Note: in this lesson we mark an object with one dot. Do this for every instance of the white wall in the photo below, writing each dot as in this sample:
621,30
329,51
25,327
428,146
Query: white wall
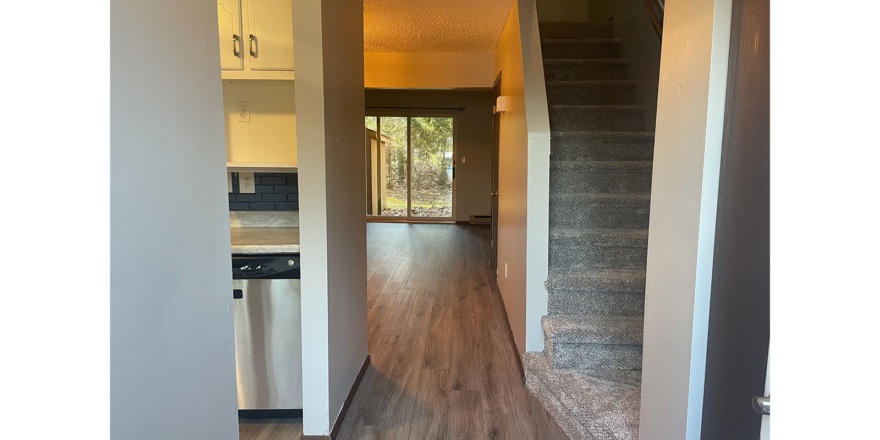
328,51
524,177
172,356
429,70
681,236
270,136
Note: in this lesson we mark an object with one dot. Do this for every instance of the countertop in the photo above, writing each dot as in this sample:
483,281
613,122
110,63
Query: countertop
264,240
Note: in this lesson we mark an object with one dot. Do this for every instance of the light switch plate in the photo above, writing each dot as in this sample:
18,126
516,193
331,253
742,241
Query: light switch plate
462,159
229,182
244,111
246,183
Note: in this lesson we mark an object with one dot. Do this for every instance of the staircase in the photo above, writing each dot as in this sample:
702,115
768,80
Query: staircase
589,374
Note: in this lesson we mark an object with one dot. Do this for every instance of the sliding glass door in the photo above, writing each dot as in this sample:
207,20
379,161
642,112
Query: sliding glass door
410,167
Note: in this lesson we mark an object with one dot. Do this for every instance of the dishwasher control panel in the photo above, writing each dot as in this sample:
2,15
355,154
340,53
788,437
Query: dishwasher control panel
281,266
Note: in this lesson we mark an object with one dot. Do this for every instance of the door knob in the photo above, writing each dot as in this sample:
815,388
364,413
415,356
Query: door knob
761,405
494,194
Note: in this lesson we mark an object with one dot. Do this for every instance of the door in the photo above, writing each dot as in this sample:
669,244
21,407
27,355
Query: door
496,143
229,20
270,35
739,311
414,167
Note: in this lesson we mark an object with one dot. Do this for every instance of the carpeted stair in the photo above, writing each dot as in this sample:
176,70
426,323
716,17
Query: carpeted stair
589,374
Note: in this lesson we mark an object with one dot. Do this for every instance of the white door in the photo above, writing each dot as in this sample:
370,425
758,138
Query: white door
270,38
229,19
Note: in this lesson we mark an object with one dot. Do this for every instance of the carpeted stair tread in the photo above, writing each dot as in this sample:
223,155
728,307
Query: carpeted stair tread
591,199
587,404
631,177
601,237
597,280
562,69
600,210
602,146
605,166
583,248
580,48
580,329
599,92
596,303
570,29
572,117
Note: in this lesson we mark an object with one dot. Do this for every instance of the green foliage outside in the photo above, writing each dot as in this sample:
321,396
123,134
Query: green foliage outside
431,178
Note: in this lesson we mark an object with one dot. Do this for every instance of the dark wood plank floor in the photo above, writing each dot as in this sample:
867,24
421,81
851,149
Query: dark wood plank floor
443,362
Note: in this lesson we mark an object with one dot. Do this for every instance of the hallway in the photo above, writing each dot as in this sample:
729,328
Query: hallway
443,364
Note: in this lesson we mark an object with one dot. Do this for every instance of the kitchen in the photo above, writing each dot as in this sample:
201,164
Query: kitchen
256,60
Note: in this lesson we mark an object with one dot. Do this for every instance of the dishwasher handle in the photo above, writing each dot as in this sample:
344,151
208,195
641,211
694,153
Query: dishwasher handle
237,294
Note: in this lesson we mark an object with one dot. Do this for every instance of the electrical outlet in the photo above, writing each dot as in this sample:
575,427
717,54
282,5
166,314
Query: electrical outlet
505,270
246,183
244,111
462,159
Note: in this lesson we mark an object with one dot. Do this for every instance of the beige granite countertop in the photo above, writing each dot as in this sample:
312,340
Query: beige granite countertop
264,240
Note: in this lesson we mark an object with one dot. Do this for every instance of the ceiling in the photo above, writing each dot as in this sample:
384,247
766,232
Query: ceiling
403,26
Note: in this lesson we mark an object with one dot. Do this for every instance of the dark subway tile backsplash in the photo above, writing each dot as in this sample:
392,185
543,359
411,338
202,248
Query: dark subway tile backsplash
274,192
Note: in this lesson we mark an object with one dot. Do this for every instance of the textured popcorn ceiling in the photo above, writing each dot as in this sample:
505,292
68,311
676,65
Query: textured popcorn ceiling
433,25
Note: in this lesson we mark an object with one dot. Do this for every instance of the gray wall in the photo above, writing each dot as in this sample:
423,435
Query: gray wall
329,55
474,139
172,360
639,45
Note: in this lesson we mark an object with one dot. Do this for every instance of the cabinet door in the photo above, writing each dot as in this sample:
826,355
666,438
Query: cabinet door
271,24
229,18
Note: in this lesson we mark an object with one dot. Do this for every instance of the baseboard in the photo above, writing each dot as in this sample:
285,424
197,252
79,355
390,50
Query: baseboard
334,433
270,413
519,360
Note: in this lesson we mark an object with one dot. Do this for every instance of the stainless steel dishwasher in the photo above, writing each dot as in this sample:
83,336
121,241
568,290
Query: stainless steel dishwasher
268,333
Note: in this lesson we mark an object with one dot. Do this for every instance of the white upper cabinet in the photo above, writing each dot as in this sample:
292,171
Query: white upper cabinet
256,39
229,16
270,41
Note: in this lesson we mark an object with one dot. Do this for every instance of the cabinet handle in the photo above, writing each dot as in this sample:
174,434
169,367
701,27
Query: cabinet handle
235,50
253,45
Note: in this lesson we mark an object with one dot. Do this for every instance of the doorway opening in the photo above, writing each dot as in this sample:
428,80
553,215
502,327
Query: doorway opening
410,167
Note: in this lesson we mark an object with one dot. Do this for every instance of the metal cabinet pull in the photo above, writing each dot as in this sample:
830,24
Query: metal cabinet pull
235,40
253,45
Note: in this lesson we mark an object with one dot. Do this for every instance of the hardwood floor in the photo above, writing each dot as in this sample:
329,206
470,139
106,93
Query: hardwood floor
443,363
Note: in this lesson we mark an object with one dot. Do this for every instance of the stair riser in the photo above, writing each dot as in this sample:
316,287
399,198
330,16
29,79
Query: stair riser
570,180
568,71
581,215
568,50
557,409
580,95
596,119
595,356
567,255
596,303
565,151
576,30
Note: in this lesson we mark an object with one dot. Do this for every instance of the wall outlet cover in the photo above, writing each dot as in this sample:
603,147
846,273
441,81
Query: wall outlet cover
244,111
246,183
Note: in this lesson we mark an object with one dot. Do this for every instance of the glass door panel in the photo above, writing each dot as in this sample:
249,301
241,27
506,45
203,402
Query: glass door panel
432,166
396,165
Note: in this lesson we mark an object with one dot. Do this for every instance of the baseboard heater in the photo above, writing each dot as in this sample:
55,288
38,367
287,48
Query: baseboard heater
481,219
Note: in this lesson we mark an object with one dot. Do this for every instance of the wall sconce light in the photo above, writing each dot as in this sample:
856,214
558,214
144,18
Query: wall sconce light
500,105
